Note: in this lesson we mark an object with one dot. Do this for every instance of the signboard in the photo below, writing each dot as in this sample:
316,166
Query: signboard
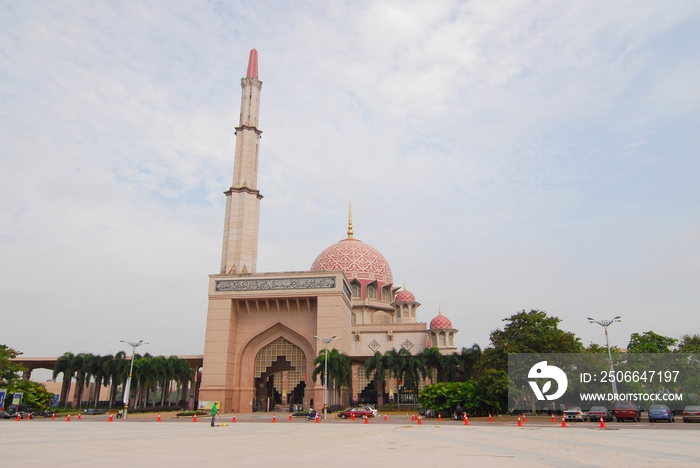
17,398
3,392
54,404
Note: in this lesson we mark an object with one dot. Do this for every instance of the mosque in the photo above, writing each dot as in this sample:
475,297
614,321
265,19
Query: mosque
264,330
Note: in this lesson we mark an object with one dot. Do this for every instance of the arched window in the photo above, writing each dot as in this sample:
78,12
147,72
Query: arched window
442,338
356,290
372,292
413,311
405,311
385,294
353,319
452,339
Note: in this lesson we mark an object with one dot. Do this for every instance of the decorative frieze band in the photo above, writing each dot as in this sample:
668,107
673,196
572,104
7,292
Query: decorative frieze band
275,284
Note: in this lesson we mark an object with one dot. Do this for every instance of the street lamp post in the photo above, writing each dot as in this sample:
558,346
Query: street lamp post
127,387
605,324
325,374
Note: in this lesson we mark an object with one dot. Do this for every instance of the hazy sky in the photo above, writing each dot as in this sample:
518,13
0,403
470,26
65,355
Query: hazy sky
501,155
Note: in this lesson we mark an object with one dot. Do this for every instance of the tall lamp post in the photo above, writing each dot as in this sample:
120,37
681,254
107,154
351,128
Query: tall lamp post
325,374
127,387
605,324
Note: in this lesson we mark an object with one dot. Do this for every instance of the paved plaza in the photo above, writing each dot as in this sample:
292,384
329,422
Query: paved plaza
254,441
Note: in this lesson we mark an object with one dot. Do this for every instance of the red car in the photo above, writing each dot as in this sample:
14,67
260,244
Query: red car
358,412
627,410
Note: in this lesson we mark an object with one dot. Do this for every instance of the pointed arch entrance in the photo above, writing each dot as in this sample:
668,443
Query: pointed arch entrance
280,375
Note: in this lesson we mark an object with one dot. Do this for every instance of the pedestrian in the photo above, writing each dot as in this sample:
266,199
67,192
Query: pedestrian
213,414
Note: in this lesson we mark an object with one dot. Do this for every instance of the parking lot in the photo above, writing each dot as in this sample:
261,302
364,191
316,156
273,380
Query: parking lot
254,441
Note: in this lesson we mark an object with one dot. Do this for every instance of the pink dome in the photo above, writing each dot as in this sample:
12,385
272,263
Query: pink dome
440,322
357,259
405,296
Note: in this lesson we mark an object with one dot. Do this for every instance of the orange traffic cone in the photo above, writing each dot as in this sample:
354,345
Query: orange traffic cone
439,417
490,418
413,417
233,419
111,418
158,420
80,417
524,418
554,420
68,418
466,420
290,417
386,418
520,423
53,416
366,420
352,416
563,422
274,418
420,420
19,416
318,418
602,423
194,418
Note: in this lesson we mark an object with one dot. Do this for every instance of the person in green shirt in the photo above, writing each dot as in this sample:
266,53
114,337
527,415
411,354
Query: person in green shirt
213,414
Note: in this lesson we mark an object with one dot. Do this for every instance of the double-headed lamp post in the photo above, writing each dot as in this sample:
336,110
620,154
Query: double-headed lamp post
605,324
325,374
127,387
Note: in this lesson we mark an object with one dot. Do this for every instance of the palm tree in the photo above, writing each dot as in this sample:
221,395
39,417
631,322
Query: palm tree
412,370
433,359
112,370
469,358
63,366
183,373
83,362
339,368
376,370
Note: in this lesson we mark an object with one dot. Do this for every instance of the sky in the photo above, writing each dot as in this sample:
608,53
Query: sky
503,156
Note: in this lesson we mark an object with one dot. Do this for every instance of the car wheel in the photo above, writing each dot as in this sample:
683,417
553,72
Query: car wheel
343,416
685,420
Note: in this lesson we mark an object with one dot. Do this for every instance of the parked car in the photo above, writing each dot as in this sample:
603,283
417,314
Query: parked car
24,412
625,410
373,410
574,414
357,412
660,413
597,412
691,413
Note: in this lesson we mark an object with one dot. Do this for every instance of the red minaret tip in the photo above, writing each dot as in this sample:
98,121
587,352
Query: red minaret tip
252,64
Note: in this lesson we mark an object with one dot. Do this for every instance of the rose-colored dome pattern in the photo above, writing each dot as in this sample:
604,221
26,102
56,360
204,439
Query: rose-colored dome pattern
440,322
356,259
405,296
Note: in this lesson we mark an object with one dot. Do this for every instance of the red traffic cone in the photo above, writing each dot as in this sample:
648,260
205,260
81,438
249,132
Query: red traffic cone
53,416
68,418
466,420
158,420
520,423
524,418
366,420
19,416
352,416
318,418
490,418
274,418
290,417
413,417
554,420
80,417
194,418
386,418
233,419
420,420
439,417
563,422
111,418
602,423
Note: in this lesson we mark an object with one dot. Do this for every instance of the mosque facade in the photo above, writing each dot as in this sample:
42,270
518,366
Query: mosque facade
264,330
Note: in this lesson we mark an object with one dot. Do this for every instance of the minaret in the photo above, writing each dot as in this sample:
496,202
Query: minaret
240,247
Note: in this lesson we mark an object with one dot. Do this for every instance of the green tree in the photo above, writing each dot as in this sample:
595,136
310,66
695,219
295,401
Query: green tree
650,342
339,369
9,371
433,360
34,395
689,344
412,370
375,370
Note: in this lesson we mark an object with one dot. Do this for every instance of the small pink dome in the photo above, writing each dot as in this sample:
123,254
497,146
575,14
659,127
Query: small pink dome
405,296
357,259
440,322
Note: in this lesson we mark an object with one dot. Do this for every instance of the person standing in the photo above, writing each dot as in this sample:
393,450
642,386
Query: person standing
213,414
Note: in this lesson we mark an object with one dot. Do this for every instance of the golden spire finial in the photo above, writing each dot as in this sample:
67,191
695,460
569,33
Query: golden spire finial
350,221
404,285
439,309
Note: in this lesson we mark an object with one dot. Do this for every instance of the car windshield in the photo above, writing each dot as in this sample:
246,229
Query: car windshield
657,407
599,408
575,408
692,408
624,404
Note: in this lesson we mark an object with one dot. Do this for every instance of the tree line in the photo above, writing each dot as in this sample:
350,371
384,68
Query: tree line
151,375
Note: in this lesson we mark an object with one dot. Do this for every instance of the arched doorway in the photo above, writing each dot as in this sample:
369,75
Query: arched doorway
280,375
